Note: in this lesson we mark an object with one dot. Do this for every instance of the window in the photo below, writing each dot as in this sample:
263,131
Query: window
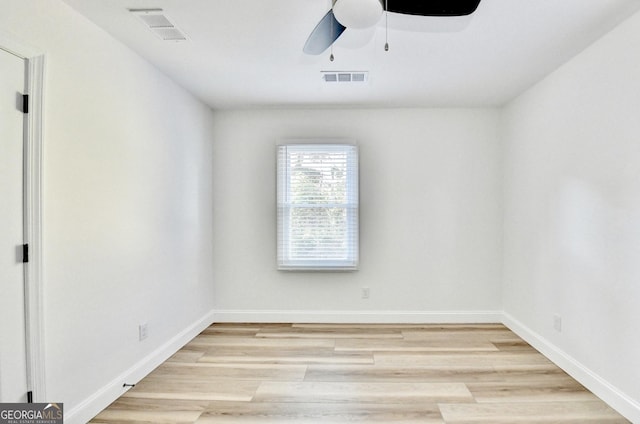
317,207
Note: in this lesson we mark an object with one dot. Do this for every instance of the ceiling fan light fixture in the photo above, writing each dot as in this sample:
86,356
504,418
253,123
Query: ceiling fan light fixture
357,14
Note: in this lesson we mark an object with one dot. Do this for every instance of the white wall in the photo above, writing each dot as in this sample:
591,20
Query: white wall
127,206
572,215
430,193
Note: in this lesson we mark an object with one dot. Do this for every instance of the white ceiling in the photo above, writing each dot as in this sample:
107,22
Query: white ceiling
248,53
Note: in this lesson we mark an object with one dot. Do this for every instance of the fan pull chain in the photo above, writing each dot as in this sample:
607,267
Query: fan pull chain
386,26
333,3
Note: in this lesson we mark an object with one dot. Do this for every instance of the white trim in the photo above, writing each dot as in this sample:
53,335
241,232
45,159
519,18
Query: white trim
33,138
9,42
33,193
592,381
359,317
99,400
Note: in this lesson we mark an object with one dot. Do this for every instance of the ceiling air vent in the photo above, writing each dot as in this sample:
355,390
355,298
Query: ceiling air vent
345,76
159,24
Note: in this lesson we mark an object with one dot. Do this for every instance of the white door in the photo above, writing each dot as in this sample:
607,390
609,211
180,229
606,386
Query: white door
13,359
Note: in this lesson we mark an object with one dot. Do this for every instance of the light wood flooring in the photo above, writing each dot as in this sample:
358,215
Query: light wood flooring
428,374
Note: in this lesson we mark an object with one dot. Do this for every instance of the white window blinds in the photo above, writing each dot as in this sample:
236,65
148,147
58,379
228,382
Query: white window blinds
317,207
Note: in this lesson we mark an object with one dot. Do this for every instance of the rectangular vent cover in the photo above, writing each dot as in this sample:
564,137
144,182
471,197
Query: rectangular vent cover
159,24
345,76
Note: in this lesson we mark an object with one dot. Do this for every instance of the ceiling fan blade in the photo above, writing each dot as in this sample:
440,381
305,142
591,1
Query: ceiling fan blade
323,35
433,7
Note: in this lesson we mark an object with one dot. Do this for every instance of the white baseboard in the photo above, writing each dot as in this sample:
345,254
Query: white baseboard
95,403
599,386
358,317
596,384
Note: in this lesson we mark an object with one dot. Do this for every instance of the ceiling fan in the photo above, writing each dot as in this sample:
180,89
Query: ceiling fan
360,14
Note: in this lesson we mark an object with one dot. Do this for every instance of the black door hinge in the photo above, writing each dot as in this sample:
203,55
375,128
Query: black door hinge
29,396
25,103
25,253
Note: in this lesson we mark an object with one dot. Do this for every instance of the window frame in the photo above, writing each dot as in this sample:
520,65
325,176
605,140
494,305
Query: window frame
285,206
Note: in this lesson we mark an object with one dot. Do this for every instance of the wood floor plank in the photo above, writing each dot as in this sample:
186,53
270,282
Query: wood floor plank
469,335
404,327
211,371
513,345
376,373
409,373
285,355
209,341
528,390
495,359
135,411
318,412
185,356
331,333
362,392
151,417
193,389
531,412
384,345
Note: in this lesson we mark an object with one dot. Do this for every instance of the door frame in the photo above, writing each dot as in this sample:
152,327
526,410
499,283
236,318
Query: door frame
33,151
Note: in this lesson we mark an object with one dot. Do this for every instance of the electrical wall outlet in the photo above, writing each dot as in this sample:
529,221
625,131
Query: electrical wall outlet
557,323
365,292
143,331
